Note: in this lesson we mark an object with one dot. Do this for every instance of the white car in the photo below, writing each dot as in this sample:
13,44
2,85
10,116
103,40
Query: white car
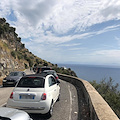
35,94
13,114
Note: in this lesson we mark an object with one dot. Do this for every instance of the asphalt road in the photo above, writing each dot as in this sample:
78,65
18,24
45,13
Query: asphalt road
5,94
65,109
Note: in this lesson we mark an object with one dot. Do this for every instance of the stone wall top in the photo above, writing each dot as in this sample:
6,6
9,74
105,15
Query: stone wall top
99,108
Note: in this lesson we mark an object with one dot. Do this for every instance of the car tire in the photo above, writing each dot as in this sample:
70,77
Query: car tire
4,85
50,111
58,98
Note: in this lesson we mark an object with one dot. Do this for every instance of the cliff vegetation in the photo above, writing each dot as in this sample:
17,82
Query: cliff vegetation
110,92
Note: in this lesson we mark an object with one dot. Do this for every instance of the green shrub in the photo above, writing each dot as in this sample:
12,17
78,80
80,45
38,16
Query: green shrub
45,64
26,66
22,46
65,71
13,54
110,92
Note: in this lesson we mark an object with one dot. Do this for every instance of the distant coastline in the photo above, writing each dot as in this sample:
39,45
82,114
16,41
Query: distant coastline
95,72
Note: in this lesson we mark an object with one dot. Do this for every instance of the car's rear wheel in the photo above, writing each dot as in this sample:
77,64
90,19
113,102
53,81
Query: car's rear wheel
58,98
4,85
51,110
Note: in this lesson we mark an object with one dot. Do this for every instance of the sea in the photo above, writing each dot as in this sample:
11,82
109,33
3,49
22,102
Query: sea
95,72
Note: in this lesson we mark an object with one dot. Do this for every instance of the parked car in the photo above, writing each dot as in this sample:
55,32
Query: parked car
40,70
13,114
13,78
35,93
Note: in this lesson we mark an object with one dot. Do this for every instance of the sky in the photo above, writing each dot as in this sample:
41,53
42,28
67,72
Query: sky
67,31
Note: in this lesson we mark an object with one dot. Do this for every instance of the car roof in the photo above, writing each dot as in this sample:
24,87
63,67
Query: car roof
42,75
12,113
45,67
17,72
49,71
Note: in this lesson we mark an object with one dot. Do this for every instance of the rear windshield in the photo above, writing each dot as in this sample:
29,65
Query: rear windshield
42,69
33,82
14,74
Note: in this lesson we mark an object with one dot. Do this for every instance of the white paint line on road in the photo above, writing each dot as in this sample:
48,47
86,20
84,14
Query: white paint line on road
70,101
3,105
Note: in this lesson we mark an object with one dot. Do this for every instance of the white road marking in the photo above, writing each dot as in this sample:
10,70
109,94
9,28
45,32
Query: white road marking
70,102
3,105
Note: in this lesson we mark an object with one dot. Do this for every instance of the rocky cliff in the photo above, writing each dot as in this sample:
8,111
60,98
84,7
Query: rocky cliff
13,54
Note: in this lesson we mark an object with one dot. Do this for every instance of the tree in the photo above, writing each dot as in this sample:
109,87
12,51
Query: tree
37,61
2,20
12,29
45,64
109,91
13,54
22,46
26,66
19,39
1,30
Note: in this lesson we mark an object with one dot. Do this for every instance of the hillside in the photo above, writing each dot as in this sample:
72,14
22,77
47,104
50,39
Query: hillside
14,56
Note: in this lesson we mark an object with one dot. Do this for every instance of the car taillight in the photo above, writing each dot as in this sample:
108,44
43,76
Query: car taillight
57,77
44,95
11,96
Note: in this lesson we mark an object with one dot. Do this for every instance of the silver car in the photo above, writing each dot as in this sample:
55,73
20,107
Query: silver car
13,114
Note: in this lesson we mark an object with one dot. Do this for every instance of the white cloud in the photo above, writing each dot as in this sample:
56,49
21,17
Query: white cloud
109,28
54,22
113,54
35,11
105,57
58,17
111,9
75,49
69,45
118,40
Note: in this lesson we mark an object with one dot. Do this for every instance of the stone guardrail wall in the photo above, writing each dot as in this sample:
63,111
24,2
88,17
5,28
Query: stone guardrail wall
98,107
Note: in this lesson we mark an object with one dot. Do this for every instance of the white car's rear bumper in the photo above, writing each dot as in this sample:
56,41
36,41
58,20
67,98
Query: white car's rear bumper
42,107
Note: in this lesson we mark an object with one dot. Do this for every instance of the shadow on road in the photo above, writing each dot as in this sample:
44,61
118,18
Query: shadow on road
39,117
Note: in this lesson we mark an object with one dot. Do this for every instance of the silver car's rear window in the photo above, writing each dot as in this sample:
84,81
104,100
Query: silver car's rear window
14,74
32,82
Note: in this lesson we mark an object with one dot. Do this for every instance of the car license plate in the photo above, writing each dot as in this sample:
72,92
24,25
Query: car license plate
27,96
10,82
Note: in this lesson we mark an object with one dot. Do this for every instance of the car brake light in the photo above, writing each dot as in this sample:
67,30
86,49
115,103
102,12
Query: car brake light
44,95
11,96
57,77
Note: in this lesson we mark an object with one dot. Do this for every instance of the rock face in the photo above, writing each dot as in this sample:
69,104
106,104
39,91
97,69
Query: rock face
13,54
10,43
8,63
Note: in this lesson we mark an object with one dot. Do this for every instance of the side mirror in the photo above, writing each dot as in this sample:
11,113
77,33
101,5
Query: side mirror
58,82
